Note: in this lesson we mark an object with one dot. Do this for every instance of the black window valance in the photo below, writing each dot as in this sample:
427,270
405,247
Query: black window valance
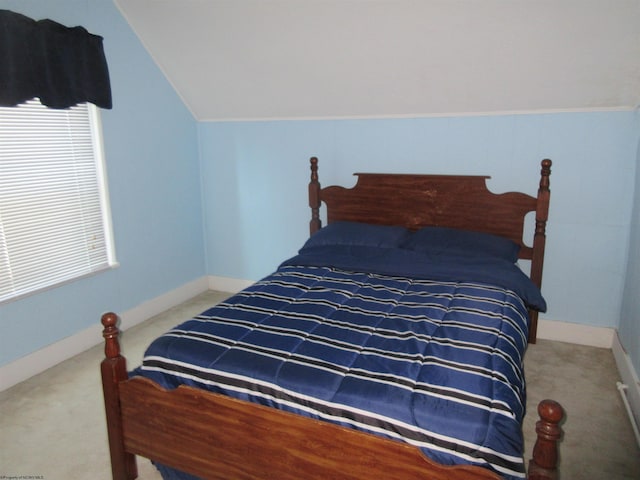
62,66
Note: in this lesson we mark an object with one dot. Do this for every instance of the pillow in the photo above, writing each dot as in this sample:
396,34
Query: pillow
358,234
452,241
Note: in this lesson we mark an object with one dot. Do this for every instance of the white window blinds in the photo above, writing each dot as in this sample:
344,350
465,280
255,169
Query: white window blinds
54,212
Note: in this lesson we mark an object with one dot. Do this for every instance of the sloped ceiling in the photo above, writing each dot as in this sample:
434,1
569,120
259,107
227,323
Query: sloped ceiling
265,59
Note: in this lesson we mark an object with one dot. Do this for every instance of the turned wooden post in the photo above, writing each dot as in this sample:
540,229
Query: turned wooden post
114,371
544,464
540,238
314,197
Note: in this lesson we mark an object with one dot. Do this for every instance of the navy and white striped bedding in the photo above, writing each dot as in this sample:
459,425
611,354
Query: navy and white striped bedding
435,363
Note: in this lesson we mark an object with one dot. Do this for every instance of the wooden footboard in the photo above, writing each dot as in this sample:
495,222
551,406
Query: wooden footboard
217,437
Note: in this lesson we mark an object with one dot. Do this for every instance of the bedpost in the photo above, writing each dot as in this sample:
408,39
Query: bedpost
114,371
539,238
544,464
314,197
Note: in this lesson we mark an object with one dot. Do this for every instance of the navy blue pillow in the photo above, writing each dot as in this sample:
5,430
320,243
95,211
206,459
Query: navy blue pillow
452,241
358,234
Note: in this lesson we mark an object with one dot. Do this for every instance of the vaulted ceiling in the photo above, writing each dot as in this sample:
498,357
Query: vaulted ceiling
265,59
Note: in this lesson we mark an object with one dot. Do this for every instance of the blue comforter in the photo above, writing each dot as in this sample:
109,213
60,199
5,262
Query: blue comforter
425,351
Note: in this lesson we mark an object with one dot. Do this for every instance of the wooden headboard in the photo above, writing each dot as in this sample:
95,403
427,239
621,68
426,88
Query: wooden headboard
457,201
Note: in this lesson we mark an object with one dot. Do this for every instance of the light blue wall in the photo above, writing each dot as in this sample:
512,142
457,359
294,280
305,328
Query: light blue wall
256,175
151,151
630,319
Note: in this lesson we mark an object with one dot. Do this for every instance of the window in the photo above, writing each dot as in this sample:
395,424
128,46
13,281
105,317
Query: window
55,224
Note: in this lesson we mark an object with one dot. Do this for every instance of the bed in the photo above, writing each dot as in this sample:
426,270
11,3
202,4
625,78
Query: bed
391,346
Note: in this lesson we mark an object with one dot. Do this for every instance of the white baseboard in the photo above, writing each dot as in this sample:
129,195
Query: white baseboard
161,303
575,333
629,377
226,284
40,360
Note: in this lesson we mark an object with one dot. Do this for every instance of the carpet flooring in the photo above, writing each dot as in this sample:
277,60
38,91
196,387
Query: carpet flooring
52,425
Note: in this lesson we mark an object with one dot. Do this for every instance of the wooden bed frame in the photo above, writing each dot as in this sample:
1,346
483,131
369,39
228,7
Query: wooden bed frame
217,437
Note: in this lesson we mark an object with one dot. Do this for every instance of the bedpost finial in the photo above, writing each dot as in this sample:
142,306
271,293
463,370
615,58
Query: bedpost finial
110,333
550,411
314,197
109,320
544,174
544,464
546,167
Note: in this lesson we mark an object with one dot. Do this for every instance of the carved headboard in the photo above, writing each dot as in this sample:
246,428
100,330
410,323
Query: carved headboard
456,201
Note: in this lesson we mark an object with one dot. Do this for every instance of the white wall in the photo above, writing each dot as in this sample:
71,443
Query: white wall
256,59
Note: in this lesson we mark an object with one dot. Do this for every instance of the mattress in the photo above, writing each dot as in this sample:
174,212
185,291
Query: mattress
420,350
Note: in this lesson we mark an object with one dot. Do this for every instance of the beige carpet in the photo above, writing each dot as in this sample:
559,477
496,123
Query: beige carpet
52,425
